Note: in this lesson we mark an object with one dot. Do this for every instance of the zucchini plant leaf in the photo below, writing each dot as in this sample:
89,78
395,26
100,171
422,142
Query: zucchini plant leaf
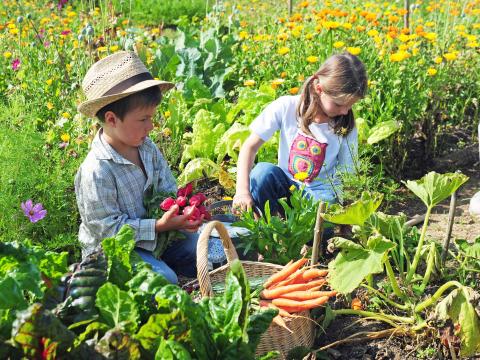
434,188
382,131
357,212
196,168
354,262
457,307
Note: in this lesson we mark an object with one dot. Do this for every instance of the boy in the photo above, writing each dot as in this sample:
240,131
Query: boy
123,162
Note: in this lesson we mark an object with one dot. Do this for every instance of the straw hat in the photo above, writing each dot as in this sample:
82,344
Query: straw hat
115,77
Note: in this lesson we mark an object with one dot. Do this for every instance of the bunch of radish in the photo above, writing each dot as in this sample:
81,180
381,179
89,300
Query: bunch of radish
295,288
188,203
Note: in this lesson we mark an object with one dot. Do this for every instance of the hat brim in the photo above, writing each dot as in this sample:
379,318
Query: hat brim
91,107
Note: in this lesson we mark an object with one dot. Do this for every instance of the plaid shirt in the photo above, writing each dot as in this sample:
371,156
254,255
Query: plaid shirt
110,189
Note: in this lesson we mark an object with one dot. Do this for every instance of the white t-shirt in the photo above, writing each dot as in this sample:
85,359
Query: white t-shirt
319,157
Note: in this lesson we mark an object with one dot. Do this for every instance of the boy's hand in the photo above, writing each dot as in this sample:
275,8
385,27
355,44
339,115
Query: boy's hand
172,221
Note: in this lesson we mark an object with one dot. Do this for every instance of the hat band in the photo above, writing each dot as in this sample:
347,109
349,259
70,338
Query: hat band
127,83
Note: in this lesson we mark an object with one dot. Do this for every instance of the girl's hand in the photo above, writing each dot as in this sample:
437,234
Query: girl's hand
171,220
242,202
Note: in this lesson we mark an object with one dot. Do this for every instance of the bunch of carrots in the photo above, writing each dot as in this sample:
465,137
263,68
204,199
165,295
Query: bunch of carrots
293,289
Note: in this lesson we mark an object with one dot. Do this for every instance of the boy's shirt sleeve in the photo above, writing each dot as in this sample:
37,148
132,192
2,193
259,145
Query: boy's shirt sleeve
166,181
100,211
348,152
270,119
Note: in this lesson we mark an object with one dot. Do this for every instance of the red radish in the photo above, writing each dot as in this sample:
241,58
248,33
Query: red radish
197,199
167,204
185,191
181,201
195,213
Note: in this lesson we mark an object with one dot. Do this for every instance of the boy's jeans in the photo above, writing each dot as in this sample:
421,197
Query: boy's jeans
269,182
180,257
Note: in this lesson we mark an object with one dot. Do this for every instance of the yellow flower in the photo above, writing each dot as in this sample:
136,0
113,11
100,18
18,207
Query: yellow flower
399,56
167,114
354,50
49,106
7,54
102,49
294,90
166,132
49,82
249,83
338,44
372,33
283,74
245,48
450,56
114,48
430,36
283,50
66,115
282,37
68,67
403,38
227,198
276,83
431,71
302,175
312,59
65,137
292,188
438,60
243,35
472,44
13,31
309,36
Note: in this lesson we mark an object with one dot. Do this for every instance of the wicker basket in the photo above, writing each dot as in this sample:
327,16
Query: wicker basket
276,337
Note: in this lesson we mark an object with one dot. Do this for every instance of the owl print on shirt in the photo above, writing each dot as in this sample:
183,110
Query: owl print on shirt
306,155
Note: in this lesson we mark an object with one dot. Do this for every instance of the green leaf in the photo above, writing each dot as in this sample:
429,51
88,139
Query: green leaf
117,250
357,212
116,306
354,263
171,350
434,188
258,323
54,265
195,169
382,131
11,295
231,142
457,307
116,344
363,129
471,250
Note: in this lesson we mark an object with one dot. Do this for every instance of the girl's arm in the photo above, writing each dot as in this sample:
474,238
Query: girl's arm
243,199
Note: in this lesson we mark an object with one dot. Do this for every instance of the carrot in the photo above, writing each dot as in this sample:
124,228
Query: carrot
307,295
303,305
294,278
280,322
276,292
311,274
281,312
287,270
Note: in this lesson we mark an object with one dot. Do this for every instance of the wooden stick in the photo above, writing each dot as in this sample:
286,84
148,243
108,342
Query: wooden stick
451,217
317,235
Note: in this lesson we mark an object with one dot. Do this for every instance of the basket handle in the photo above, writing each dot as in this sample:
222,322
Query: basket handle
202,254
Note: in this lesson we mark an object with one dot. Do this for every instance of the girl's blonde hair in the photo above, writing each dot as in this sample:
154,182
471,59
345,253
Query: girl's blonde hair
343,77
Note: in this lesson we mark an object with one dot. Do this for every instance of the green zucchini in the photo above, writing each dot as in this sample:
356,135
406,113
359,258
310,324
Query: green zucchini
78,292
87,281
84,303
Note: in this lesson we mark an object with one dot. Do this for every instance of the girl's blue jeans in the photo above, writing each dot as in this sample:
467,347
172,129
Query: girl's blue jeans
179,258
269,183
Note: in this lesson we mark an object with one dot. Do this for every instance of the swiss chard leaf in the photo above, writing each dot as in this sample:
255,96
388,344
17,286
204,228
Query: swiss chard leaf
355,262
115,344
457,306
171,350
116,307
117,250
196,168
434,188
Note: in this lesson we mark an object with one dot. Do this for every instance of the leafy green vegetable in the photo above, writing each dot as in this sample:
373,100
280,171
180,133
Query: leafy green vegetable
382,131
434,188
354,262
457,306
357,212
231,142
117,308
117,345
117,250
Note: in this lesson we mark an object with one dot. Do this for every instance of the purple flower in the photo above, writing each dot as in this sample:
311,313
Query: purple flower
33,212
61,3
63,145
46,44
15,64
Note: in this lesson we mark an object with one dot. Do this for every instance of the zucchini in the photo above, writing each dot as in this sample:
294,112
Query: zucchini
85,281
84,303
90,272
83,291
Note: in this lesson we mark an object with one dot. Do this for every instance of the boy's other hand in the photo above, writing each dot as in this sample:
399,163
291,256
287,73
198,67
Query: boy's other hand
171,220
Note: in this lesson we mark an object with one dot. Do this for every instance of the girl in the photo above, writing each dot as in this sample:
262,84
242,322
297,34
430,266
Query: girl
317,137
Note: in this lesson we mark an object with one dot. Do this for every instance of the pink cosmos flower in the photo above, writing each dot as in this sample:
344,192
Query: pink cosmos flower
15,64
33,212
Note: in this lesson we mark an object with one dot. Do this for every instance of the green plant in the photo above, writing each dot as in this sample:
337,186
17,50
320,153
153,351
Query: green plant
280,239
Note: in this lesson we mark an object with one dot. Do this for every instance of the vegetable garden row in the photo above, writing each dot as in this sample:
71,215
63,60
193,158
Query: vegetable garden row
228,62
